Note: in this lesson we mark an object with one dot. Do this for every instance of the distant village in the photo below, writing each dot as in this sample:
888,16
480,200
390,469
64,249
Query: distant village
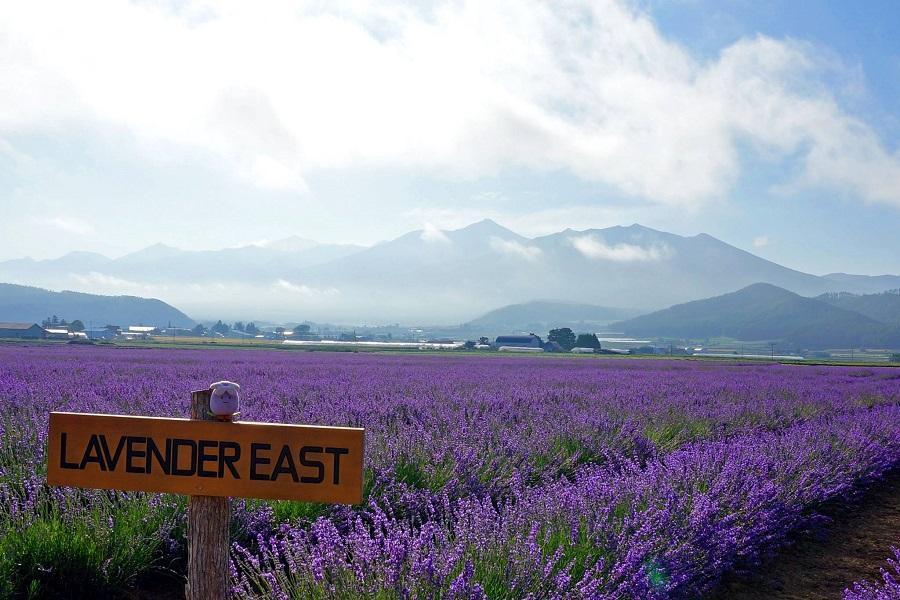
558,340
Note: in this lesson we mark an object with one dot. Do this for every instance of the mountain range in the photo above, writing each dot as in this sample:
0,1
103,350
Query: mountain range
33,305
432,275
764,312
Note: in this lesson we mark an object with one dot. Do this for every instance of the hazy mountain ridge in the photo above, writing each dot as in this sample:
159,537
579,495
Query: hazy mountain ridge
162,263
762,312
863,284
432,275
30,304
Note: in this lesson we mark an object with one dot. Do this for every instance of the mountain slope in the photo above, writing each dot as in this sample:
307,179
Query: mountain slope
541,315
883,307
485,265
22,303
765,312
430,275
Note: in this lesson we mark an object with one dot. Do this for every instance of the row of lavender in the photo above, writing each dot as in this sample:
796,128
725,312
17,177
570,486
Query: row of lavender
496,477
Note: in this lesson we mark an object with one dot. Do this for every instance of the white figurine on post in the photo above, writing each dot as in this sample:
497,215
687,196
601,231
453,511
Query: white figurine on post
225,400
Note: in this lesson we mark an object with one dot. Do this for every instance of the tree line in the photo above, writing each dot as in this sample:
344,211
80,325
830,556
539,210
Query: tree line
57,322
567,339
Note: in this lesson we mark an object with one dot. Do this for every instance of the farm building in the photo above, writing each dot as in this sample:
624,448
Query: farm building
31,331
519,349
56,333
517,341
64,334
100,333
138,329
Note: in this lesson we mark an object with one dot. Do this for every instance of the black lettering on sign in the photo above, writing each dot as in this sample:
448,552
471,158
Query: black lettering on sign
131,453
63,463
92,453
228,461
176,443
203,457
337,462
257,460
320,466
112,459
285,464
164,460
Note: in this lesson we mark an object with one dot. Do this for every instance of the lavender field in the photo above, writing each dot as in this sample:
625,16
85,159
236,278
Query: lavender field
486,477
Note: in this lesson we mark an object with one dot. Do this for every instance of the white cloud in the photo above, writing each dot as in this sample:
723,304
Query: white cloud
760,241
303,290
281,90
430,233
71,225
593,247
514,248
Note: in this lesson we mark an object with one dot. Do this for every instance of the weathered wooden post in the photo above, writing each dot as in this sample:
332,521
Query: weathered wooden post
208,518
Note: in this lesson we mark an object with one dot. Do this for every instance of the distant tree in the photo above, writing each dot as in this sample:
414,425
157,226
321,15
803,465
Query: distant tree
220,327
45,323
483,340
587,340
63,323
279,330
895,358
469,345
563,336
301,329
76,325
54,320
251,328
238,326
199,330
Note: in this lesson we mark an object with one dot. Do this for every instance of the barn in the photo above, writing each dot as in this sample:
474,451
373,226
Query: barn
31,331
518,341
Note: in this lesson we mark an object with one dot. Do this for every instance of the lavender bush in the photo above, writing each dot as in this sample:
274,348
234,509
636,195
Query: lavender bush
488,476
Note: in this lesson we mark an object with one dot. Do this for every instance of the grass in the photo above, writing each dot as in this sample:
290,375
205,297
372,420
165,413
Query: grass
88,546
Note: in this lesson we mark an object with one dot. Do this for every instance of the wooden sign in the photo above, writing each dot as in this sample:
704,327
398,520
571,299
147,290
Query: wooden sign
206,458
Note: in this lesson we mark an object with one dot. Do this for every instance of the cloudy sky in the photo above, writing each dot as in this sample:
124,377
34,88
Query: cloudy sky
214,124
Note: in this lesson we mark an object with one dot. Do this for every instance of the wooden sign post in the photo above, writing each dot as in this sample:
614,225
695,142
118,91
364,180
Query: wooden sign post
208,518
210,459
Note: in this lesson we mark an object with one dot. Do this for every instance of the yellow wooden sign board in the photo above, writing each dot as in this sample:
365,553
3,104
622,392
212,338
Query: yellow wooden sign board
206,458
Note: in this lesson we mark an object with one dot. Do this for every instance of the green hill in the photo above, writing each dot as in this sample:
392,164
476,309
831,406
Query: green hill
541,315
884,307
23,303
765,312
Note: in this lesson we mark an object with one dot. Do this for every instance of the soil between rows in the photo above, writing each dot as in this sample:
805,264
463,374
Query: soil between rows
822,564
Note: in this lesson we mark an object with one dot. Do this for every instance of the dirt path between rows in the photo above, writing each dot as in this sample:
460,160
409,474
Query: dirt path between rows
821,565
